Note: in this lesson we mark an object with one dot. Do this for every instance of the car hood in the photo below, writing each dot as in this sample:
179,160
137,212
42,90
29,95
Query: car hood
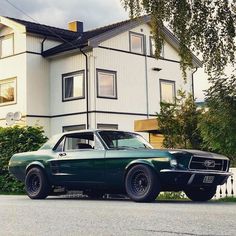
198,153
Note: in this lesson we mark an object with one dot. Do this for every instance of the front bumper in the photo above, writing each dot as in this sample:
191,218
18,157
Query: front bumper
180,179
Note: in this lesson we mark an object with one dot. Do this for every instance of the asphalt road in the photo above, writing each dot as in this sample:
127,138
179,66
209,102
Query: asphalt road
75,216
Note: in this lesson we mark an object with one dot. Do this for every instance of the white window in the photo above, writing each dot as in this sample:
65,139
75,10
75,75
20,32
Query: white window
73,86
107,126
7,91
73,128
167,89
153,48
137,43
6,46
106,84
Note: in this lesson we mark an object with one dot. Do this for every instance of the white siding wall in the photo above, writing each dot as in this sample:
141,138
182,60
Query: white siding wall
34,43
58,67
14,67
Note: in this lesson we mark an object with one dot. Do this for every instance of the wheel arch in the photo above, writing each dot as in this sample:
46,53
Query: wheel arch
35,164
139,162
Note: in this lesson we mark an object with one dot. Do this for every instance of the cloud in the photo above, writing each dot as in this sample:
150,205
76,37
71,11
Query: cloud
93,13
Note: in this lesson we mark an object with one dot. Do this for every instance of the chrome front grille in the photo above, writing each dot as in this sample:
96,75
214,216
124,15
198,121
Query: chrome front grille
204,163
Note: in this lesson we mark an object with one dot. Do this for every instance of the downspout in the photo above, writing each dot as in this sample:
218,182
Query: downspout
147,91
86,87
193,82
42,44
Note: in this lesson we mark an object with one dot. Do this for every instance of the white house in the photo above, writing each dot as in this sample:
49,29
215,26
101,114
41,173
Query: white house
74,79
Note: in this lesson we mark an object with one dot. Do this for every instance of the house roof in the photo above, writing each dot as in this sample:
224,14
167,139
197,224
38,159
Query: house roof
47,30
74,40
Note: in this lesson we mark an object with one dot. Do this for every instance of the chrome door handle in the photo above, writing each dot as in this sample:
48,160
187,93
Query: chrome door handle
62,154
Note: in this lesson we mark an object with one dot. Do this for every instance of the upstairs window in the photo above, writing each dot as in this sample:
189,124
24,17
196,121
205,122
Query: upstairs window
106,84
167,91
153,48
6,46
73,86
7,91
136,43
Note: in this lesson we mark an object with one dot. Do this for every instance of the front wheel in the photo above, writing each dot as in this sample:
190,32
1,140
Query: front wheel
142,184
36,184
201,194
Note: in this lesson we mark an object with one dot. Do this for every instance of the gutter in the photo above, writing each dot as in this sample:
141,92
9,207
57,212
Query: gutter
86,86
193,82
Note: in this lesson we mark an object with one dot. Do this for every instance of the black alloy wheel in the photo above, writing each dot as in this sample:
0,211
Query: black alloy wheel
142,184
201,194
36,184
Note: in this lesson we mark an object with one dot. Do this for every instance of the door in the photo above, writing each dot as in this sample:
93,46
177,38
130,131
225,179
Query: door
80,160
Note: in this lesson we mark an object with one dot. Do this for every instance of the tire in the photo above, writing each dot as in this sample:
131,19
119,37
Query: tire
142,184
200,194
36,184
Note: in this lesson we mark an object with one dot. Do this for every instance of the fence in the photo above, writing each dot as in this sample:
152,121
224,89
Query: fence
229,188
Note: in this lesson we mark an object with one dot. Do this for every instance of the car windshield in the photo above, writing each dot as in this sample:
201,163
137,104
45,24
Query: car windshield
123,140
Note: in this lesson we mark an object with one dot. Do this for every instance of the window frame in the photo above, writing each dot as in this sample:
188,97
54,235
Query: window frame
174,87
13,79
143,42
152,54
72,126
106,124
72,74
13,45
114,73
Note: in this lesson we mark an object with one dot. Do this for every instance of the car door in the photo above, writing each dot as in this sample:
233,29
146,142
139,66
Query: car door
81,160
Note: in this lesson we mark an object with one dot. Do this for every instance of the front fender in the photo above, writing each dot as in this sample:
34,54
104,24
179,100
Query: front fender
139,161
34,163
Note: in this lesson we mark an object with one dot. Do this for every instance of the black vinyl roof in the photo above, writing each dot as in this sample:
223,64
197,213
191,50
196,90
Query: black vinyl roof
70,40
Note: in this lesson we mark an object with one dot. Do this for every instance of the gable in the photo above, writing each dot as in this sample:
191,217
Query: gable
122,42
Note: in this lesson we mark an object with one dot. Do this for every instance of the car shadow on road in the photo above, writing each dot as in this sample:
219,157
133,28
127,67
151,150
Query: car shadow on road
125,199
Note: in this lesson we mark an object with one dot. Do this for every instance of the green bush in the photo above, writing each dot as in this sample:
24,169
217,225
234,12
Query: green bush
171,196
15,140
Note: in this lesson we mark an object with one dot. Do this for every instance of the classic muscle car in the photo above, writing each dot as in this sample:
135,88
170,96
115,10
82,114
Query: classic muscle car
108,161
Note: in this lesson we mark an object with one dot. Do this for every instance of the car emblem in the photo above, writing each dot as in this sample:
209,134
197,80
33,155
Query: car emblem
209,163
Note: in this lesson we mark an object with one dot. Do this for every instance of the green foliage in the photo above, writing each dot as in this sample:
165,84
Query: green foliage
218,124
15,140
204,26
171,196
178,123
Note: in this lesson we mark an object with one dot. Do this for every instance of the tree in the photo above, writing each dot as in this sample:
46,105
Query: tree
218,124
179,123
203,26
14,140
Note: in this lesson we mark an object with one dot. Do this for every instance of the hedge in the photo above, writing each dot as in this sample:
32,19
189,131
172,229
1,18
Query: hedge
15,140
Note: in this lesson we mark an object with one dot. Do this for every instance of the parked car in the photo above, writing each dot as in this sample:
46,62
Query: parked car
107,161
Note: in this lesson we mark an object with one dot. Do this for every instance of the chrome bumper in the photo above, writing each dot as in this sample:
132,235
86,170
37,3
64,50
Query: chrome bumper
201,172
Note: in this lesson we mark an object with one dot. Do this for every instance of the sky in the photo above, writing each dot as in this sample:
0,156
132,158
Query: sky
94,13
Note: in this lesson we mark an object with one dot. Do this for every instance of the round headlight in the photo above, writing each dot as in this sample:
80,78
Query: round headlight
173,162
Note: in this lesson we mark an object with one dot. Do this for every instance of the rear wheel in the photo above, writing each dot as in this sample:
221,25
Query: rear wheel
142,184
36,184
201,194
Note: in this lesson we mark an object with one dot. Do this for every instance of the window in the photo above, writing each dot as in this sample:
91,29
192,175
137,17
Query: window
106,84
137,43
6,46
153,48
107,126
7,91
167,89
79,141
73,128
73,86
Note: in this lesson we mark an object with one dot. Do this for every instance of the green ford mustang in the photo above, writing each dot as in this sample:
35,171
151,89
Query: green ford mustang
108,161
